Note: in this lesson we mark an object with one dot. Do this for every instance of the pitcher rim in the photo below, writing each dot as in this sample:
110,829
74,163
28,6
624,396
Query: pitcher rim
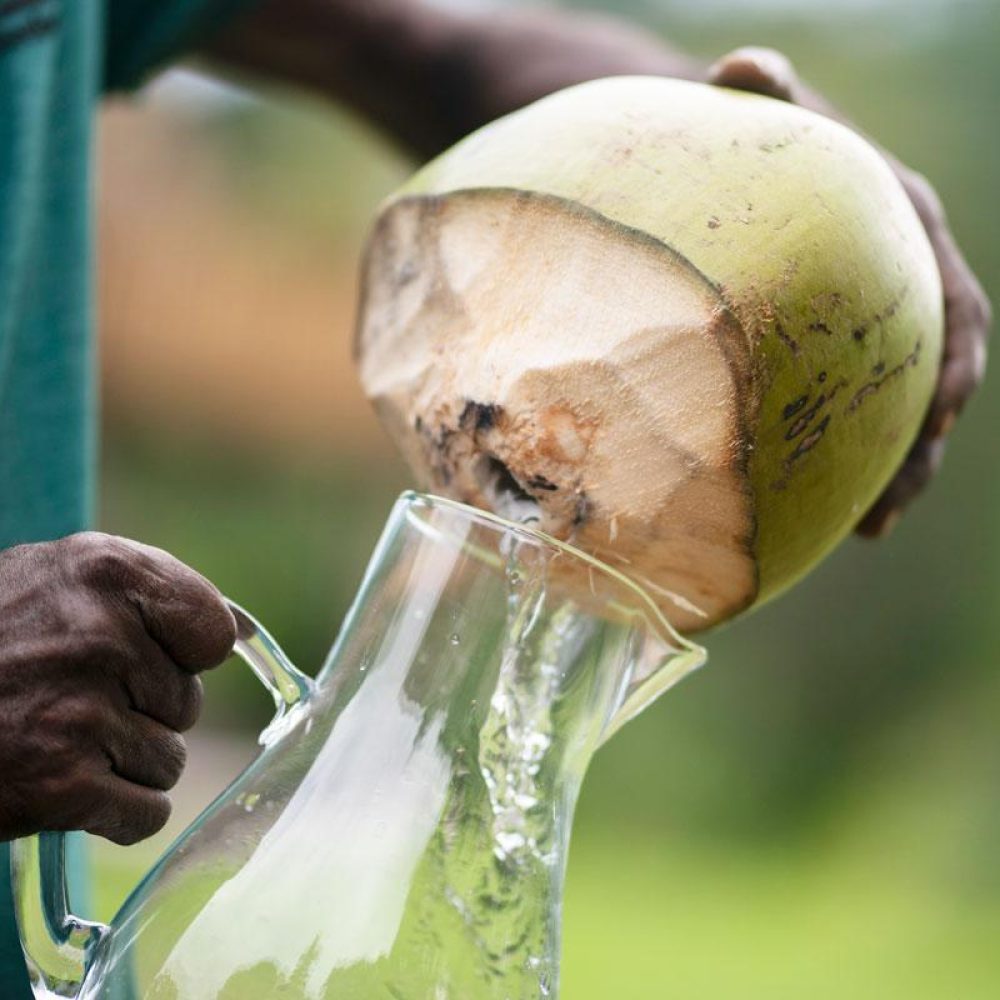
657,619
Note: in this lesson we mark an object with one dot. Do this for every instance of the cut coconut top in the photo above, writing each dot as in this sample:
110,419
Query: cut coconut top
561,368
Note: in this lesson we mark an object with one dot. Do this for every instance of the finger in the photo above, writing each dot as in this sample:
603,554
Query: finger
968,318
760,70
155,686
145,752
922,462
124,812
179,608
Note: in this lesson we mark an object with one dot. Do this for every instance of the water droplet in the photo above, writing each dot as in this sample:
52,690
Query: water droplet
515,576
454,638
250,801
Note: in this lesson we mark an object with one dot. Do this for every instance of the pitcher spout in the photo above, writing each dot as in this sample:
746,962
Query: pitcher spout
659,660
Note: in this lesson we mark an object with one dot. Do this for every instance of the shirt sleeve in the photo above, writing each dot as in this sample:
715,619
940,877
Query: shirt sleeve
141,36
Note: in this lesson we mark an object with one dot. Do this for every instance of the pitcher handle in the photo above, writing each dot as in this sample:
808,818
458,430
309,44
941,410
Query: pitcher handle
58,946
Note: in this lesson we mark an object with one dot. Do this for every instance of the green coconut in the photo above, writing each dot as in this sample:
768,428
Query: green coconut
692,331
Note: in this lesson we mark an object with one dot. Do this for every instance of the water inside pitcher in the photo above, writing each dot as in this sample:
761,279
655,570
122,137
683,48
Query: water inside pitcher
403,833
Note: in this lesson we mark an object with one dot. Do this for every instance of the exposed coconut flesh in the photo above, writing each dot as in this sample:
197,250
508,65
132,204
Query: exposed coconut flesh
693,331
535,358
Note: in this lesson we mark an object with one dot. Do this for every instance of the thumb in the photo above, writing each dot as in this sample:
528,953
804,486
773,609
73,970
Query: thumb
760,70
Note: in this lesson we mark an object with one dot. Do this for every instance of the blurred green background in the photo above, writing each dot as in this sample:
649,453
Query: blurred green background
817,812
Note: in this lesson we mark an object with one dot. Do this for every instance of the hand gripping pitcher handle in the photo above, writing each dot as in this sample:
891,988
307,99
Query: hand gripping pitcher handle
58,946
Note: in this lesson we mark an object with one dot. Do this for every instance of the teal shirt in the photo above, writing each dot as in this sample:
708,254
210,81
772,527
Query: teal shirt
56,59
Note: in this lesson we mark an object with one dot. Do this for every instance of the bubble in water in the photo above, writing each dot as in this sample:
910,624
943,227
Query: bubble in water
250,801
454,638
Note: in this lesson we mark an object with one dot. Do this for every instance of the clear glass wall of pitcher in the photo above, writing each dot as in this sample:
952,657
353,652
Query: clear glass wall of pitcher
403,834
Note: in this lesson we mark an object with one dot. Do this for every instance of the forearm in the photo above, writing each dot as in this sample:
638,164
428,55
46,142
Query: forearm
429,74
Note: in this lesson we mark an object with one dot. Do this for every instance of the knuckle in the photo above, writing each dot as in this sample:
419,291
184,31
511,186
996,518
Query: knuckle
758,69
97,645
151,814
211,634
982,310
924,196
171,753
175,760
127,822
62,801
189,701
150,755
100,560
82,712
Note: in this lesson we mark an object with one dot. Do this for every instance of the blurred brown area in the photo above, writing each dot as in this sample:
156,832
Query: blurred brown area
215,320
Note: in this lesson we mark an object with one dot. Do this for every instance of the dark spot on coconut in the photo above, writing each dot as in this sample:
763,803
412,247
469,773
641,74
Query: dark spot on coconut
713,222
821,377
503,491
479,416
789,342
537,482
826,302
502,480
841,384
809,441
803,422
793,407
858,333
891,309
870,388
820,327
584,508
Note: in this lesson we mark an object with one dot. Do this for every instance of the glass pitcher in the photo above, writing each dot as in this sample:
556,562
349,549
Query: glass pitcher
403,833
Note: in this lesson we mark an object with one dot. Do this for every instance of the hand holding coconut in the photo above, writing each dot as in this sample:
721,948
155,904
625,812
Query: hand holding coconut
967,310
431,73
695,332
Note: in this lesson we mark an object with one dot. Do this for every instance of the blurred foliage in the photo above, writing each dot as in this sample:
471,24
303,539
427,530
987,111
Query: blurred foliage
816,812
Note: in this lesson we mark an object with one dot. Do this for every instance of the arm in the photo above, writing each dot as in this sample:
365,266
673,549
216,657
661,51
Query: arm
430,74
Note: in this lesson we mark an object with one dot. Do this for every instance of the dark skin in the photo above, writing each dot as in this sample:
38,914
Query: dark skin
101,639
